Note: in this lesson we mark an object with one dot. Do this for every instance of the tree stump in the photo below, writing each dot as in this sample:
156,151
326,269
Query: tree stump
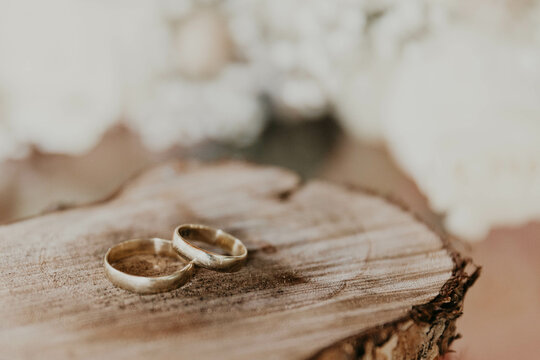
331,273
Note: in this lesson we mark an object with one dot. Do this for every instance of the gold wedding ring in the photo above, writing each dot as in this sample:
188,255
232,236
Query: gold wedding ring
145,284
216,237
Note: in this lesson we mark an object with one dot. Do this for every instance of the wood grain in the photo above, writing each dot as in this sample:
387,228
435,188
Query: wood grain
331,273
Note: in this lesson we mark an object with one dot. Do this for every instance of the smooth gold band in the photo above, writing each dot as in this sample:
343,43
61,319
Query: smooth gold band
204,258
143,284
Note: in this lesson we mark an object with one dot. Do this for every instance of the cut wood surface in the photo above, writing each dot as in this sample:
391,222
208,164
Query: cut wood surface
331,273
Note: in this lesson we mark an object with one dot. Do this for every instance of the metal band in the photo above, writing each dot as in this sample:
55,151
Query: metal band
204,258
144,284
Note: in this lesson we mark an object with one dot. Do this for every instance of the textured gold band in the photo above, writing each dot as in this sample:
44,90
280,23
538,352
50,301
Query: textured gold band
204,258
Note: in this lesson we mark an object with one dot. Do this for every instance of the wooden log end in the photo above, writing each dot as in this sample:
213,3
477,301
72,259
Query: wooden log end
332,273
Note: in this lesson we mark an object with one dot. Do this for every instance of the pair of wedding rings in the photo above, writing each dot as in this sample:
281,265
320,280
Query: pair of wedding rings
179,247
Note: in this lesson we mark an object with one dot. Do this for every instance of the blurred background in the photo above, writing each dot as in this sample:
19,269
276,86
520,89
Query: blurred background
434,102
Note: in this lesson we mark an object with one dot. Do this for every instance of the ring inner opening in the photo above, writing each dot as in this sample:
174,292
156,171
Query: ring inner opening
207,240
146,259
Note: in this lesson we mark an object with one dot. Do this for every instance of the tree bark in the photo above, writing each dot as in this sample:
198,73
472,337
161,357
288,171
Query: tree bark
332,273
